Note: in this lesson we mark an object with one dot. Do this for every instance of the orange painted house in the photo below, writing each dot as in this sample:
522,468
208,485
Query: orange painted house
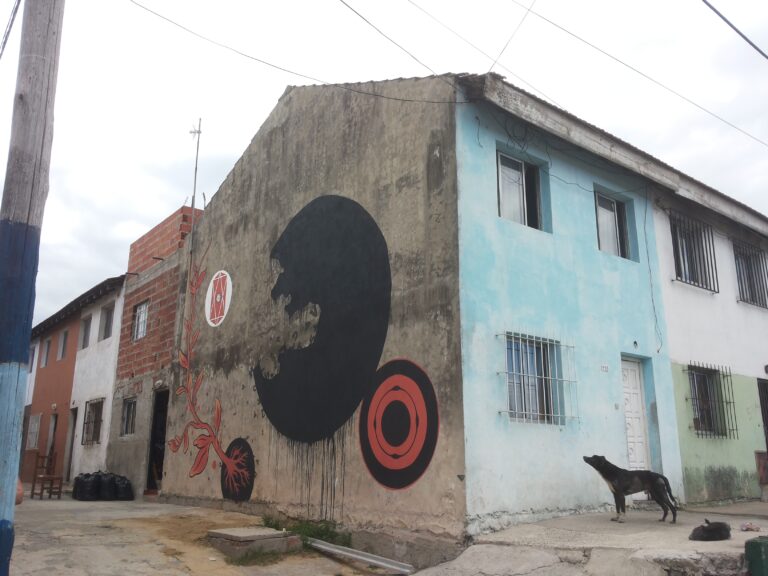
49,419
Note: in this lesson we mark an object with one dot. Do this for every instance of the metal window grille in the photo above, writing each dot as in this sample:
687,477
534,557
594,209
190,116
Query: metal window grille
752,274
694,247
92,422
711,399
129,417
140,313
541,386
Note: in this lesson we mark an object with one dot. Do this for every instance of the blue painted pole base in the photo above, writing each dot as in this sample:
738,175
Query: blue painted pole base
6,547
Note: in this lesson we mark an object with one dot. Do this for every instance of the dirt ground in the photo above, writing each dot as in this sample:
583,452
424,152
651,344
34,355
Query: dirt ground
72,538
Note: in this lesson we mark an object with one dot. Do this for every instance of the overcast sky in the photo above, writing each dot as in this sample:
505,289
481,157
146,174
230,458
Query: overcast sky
131,86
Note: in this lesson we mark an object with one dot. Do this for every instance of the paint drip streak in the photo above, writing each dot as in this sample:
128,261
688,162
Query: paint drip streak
326,459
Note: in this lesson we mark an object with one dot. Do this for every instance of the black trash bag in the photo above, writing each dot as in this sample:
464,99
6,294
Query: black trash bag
91,486
124,488
78,487
107,487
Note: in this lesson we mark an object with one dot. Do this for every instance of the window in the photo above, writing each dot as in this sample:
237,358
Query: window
519,191
31,357
752,274
539,386
105,321
140,312
46,352
694,250
62,344
711,398
85,332
92,422
611,226
33,431
128,425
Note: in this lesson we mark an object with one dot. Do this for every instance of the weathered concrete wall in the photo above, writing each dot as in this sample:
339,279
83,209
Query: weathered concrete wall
94,379
337,228
554,283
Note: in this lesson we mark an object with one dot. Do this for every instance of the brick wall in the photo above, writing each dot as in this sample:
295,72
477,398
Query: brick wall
162,241
155,350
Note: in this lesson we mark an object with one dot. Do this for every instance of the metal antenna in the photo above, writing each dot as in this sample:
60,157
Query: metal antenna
195,134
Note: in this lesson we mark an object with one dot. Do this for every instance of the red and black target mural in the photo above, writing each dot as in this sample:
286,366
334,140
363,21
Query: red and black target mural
333,254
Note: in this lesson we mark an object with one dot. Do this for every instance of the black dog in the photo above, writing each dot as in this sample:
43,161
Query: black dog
711,531
624,482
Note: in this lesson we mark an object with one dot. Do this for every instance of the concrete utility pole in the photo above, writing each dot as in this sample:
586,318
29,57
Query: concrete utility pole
21,219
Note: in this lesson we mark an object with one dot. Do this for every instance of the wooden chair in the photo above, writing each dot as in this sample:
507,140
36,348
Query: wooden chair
45,478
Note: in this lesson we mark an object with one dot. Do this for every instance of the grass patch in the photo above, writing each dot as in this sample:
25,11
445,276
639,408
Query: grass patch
320,530
256,558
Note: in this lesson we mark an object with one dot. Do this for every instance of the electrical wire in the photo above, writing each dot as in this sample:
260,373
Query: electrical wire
286,70
372,25
519,24
739,32
644,75
9,26
481,51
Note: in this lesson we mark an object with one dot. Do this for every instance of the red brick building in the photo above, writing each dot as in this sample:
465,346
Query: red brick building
146,353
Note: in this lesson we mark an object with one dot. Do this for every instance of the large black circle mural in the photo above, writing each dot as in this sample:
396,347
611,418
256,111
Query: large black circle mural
399,424
333,255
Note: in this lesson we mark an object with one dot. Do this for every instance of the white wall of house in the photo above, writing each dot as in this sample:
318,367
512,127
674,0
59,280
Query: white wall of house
703,326
94,380
34,352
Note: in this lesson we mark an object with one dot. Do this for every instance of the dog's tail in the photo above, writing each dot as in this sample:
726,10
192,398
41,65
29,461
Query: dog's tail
669,490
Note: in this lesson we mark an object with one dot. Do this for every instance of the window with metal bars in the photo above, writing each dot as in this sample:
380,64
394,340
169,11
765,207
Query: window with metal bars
540,383
92,422
711,399
752,274
694,248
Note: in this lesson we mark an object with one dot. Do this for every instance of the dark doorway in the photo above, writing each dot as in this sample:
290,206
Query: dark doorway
762,389
157,442
70,441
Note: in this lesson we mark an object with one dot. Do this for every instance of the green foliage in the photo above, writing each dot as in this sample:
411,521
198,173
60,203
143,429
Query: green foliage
256,558
320,530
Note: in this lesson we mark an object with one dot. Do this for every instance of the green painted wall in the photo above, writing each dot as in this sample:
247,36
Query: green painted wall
715,468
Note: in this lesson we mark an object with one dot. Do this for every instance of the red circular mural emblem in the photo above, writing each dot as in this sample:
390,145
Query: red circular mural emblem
399,424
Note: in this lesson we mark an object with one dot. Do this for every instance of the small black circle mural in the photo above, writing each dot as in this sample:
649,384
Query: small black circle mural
399,424
332,254
238,471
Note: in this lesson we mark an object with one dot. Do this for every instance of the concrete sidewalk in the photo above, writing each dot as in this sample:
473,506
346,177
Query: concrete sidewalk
590,544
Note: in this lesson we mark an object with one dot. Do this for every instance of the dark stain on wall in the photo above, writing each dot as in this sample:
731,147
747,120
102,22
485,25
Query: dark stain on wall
332,255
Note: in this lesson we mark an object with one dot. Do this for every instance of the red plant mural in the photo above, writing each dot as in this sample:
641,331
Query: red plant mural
237,462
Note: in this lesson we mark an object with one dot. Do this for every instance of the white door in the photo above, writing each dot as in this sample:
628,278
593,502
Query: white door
634,414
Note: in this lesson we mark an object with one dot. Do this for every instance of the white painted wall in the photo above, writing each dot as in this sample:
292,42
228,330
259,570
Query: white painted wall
32,369
95,378
711,328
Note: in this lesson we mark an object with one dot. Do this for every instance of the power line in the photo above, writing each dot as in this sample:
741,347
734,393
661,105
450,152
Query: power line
481,51
519,24
9,26
286,70
716,11
646,76
372,25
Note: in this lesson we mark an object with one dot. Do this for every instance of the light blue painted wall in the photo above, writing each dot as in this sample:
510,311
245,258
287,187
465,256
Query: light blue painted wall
555,285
